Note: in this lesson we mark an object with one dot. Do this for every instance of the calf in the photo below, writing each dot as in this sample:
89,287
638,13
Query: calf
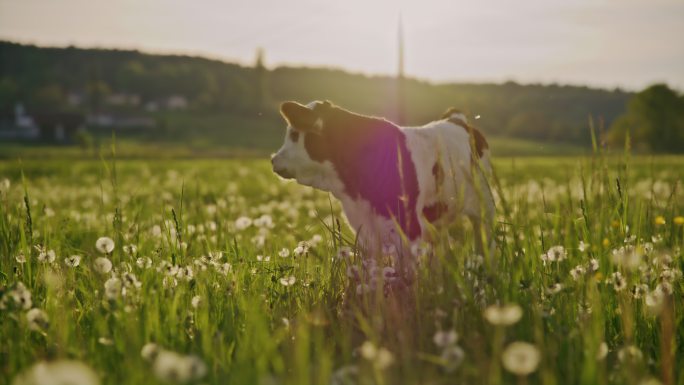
394,182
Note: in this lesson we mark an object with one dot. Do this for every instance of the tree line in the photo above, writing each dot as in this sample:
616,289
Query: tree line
44,78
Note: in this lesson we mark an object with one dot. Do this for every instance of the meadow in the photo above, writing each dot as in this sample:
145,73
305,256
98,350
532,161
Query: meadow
217,272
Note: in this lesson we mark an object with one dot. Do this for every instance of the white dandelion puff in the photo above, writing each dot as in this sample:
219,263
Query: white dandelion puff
102,265
196,301
503,315
445,338
288,281
521,358
37,319
104,245
113,288
149,351
73,261
58,372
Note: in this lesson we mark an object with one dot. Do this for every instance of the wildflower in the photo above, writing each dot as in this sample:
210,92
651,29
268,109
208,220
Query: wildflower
4,184
112,288
345,252
420,249
593,265
105,341
678,220
619,282
130,280
21,258
149,351
554,288
605,242
196,301
583,246
445,338
521,358
659,220
452,357
288,281
628,256
224,268
602,351
665,287
37,319
175,368
315,240
654,301
130,250
102,265
262,258
639,290
105,245
555,254
389,249
73,261
46,256
630,354
380,357
577,272
344,375
300,250
144,263
20,297
58,372
284,253
363,288
503,315
242,223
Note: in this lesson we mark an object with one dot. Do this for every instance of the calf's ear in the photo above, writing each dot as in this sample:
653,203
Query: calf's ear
300,117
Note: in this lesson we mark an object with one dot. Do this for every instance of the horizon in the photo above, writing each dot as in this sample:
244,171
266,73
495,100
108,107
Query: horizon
570,44
247,64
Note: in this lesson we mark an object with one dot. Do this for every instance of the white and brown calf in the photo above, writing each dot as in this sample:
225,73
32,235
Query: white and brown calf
391,180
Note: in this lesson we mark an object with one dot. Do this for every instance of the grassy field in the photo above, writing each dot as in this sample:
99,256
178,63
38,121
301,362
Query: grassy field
217,272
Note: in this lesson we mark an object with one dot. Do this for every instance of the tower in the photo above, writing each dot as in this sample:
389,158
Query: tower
400,79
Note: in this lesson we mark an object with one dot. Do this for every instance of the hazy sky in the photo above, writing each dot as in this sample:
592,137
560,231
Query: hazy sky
626,43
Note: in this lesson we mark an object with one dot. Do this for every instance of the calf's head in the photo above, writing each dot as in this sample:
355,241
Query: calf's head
305,137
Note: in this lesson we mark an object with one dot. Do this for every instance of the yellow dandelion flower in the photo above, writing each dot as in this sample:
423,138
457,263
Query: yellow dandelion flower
678,220
606,242
659,220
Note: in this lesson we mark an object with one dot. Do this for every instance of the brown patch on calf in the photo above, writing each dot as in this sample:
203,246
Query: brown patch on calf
372,159
435,211
476,137
438,173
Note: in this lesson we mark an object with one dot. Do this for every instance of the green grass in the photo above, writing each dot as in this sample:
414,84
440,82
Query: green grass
249,328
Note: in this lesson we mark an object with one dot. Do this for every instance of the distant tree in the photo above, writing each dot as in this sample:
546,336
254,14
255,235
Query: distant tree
654,117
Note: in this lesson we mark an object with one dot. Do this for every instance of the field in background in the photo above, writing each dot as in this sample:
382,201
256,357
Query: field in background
242,148
222,273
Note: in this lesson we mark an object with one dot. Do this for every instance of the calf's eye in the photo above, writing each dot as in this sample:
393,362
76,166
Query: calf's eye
294,136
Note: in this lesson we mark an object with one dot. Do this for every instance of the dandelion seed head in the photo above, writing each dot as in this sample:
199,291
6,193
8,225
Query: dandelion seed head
104,245
37,319
102,265
288,281
73,261
521,358
503,315
444,338
60,372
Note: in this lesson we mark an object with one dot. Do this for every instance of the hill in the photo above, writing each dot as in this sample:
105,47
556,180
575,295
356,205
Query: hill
183,99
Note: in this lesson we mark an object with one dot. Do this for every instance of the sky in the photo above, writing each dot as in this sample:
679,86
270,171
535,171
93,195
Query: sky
602,43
